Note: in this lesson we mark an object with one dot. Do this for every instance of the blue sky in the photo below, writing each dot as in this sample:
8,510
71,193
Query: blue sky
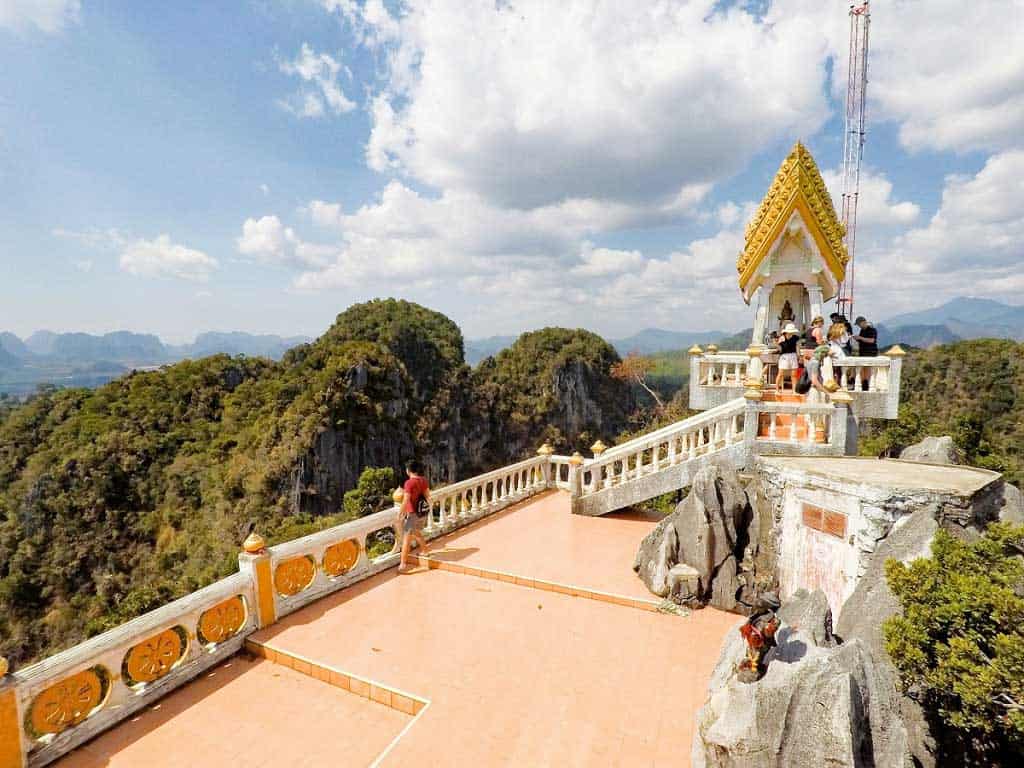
181,167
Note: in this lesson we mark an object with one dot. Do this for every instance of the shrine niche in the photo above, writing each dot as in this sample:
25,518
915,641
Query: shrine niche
793,259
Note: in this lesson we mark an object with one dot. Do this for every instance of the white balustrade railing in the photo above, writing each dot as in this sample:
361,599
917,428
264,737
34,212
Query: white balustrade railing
854,372
807,425
874,382
667,447
456,504
723,369
561,466
68,698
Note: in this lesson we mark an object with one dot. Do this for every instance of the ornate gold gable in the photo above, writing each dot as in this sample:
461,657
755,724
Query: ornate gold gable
797,186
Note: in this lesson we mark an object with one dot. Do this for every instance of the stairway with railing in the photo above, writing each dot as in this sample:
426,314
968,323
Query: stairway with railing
735,432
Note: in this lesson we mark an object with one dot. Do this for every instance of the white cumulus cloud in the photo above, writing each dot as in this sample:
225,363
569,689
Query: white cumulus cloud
162,258
46,15
950,73
323,92
529,103
267,239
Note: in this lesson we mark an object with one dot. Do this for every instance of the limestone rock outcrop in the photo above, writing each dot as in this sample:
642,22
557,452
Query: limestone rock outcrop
702,552
1012,510
864,612
933,450
818,704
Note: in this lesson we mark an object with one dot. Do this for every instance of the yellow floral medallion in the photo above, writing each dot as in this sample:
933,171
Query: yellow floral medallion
339,558
153,658
68,702
294,575
221,622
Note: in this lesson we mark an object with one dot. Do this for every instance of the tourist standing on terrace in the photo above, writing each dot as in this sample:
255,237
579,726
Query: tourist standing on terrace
787,356
845,340
415,508
867,346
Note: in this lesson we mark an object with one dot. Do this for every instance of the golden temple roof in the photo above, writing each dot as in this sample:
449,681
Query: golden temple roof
797,186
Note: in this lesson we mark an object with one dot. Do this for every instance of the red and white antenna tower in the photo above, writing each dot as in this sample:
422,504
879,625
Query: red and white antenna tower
853,146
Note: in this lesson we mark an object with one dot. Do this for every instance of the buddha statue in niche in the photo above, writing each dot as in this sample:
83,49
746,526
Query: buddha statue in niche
786,315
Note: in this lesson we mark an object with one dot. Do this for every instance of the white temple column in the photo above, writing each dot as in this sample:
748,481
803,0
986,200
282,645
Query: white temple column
760,317
815,299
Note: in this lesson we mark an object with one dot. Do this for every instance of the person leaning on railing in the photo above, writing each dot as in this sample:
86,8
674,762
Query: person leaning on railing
867,346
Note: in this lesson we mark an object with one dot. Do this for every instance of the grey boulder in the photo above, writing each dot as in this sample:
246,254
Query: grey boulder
702,533
933,450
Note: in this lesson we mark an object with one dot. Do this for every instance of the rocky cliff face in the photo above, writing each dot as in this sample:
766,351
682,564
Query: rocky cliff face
820,703
552,384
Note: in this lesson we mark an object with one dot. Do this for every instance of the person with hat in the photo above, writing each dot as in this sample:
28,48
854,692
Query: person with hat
788,362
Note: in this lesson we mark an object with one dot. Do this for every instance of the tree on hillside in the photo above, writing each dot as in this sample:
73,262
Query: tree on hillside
634,368
959,644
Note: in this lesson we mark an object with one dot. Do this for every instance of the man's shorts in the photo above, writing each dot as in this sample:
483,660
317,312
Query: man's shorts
413,523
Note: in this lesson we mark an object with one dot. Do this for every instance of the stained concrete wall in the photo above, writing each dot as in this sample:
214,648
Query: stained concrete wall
872,494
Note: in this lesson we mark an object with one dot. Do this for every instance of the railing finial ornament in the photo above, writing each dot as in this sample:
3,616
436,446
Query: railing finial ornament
598,448
545,450
841,396
712,349
398,496
896,351
576,459
5,666
254,544
696,350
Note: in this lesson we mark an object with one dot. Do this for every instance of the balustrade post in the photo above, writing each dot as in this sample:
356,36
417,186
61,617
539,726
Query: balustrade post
696,353
892,402
254,562
838,432
576,475
752,400
12,752
546,450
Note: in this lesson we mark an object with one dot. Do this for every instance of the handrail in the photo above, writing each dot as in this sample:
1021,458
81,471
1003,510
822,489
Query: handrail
689,423
128,667
203,628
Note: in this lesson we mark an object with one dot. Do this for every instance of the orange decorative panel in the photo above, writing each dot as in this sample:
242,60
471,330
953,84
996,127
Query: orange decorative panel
339,558
153,658
825,520
222,621
294,575
68,702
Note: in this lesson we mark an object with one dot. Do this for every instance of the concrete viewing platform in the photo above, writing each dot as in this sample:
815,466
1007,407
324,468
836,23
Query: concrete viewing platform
527,641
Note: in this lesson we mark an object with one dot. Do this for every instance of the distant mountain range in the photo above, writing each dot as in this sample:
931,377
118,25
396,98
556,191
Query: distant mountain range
967,318
646,342
84,359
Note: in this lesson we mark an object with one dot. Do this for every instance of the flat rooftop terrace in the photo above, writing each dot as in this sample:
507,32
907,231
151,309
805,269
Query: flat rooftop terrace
525,639
891,473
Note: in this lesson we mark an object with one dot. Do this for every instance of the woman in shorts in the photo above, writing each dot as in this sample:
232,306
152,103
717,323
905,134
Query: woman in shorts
787,356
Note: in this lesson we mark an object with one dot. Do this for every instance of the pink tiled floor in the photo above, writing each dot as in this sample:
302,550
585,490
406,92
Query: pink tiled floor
252,713
516,676
541,539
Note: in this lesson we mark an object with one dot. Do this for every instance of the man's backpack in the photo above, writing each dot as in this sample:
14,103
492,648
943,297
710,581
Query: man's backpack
803,384
422,507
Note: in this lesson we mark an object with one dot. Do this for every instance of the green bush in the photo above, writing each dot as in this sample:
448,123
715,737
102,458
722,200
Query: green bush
371,494
959,644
